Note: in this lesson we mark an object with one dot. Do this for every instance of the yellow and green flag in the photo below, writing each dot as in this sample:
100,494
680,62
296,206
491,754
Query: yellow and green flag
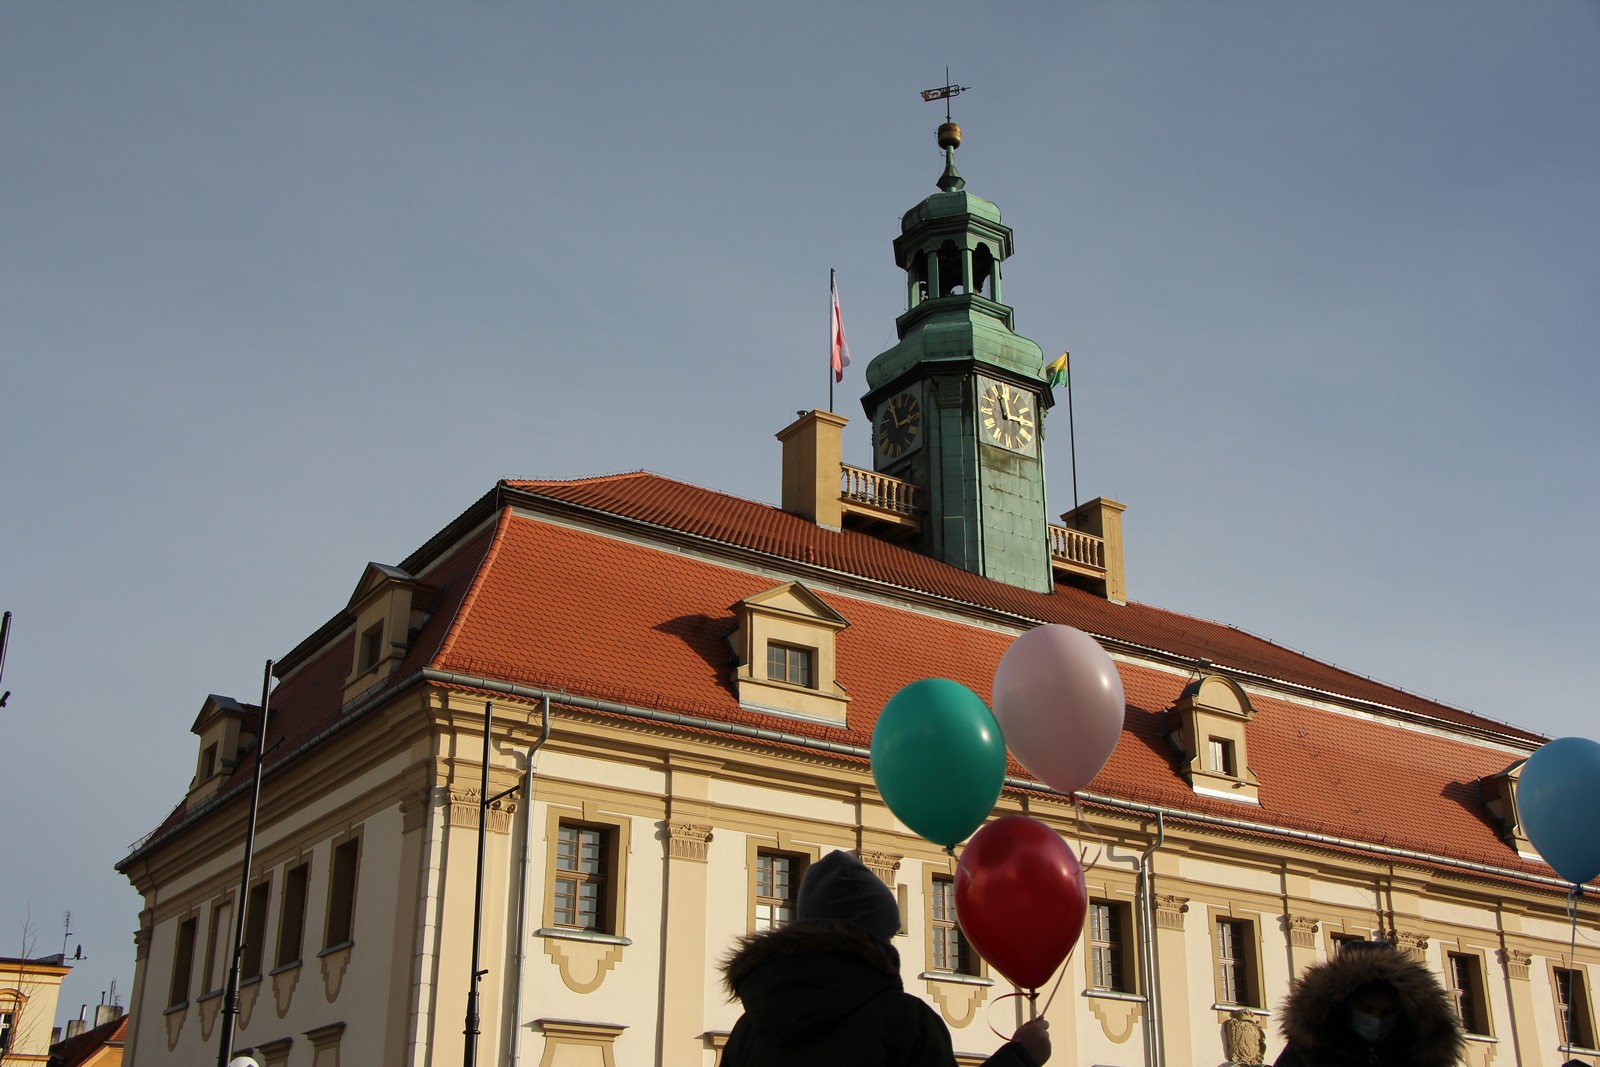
1057,372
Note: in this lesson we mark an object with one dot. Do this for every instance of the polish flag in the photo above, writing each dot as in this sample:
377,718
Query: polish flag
841,347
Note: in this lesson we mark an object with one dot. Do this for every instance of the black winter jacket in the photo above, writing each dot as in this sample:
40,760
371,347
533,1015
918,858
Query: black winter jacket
830,996
1315,1018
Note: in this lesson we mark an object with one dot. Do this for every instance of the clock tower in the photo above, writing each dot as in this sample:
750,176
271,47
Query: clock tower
957,405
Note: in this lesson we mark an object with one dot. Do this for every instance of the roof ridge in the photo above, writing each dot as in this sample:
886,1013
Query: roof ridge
529,484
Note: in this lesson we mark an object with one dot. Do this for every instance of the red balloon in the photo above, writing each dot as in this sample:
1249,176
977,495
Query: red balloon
1020,898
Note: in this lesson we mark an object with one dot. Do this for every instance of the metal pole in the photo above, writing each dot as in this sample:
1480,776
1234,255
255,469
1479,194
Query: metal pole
5,639
470,1055
230,1000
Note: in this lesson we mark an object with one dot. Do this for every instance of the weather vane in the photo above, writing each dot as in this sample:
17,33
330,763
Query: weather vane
945,92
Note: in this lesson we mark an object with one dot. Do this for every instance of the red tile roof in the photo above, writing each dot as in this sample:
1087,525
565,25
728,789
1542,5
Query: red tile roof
77,1050
597,606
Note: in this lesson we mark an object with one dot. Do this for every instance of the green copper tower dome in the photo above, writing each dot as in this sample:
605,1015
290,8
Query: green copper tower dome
958,403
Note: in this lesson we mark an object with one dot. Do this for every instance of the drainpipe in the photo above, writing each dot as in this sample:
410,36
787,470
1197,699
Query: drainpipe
519,965
1154,1047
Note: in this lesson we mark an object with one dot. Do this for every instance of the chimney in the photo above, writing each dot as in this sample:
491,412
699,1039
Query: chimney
813,451
1102,518
105,1013
75,1027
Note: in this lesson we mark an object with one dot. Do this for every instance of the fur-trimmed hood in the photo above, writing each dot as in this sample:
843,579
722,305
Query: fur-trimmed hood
805,976
1315,1016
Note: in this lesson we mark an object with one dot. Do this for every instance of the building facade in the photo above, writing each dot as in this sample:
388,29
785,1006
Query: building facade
647,706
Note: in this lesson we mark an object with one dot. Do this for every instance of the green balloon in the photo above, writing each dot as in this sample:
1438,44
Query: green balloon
938,759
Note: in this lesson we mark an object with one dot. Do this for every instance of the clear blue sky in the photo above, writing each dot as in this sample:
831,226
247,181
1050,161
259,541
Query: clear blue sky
284,287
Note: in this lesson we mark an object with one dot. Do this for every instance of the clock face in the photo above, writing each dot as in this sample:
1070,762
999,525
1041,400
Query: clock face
1006,417
899,425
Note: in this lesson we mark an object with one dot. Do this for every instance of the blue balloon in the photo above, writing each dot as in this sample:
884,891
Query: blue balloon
1558,797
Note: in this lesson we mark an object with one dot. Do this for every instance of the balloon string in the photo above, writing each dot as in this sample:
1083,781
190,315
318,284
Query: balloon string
1572,916
988,1021
1061,973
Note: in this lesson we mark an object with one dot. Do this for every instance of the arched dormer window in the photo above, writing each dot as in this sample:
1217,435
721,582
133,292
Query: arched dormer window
1211,715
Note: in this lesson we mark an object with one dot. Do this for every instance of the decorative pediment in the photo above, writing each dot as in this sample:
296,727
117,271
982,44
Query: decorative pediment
1209,720
784,651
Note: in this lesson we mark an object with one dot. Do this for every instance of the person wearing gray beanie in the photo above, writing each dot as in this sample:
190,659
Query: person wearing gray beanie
826,990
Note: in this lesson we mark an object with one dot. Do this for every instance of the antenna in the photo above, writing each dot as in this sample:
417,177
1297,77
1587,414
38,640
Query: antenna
66,924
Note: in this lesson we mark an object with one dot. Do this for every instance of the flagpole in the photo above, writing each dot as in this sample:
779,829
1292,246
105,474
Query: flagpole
832,326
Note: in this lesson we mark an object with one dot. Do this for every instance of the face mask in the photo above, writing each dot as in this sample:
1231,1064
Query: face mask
1370,1028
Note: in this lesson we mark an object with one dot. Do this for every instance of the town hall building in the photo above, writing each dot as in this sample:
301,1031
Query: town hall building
676,691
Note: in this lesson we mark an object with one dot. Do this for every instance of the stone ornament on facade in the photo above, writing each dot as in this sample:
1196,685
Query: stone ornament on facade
284,979
248,994
210,1007
465,805
1516,962
1412,946
1243,1038
1118,1016
567,1040
882,864
1170,911
1302,930
325,1044
334,963
174,1020
584,964
142,936
688,840
415,805
958,1002
276,1053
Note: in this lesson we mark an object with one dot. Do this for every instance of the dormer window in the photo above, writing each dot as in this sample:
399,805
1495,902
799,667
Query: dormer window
788,664
1222,756
1209,721
1500,797
784,651
371,647
388,607
227,731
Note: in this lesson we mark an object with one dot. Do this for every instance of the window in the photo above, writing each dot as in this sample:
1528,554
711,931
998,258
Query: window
219,944
1464,982
1236,965
1341,940
1222,756
182,963
949,950
292,923
786,663
342,894
1108,946
371,647
777,884
1572,1006
583,877
208,762
255,931
8,1022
